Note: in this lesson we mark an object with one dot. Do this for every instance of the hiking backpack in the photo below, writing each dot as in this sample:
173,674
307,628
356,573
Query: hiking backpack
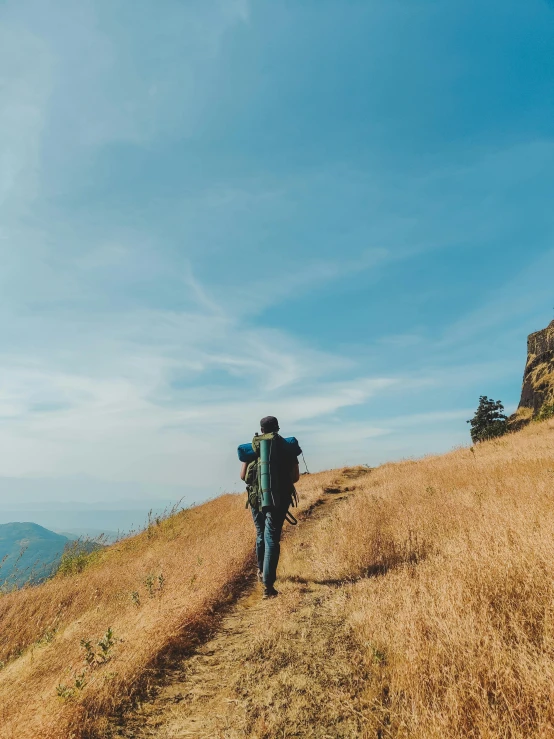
282,460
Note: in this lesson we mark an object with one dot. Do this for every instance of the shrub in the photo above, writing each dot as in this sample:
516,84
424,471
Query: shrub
489,420
546,412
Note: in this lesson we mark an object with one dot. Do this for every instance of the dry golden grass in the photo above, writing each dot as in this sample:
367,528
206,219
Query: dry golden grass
200,553
420,606
452,596
157,591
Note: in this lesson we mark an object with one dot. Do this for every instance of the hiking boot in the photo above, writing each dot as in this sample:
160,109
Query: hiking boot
269,592
260,576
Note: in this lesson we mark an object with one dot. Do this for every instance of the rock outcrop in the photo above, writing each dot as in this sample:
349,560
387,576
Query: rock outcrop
538,379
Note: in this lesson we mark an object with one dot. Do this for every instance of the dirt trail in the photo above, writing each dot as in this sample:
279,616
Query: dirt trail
273,668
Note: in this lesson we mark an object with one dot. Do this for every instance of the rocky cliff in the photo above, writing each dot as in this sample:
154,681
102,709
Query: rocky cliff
538,379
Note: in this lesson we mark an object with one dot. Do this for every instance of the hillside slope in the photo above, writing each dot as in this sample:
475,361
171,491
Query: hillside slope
420,603
142,597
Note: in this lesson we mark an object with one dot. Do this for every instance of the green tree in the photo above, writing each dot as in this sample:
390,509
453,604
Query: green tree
489,420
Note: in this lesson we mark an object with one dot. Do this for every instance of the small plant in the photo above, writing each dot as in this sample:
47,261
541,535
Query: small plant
135,597
149,583
150,525
46,638
106,644
64,691
90,654
80,680
546,412
92,657
154,584
489,420
69,691
378,655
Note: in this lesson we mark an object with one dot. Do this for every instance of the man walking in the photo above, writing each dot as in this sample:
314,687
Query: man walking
269,511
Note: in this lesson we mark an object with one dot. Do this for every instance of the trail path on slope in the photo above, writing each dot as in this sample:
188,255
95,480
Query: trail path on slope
285,667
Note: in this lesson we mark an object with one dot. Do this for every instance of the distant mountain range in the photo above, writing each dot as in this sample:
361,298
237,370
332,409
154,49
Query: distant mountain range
28,553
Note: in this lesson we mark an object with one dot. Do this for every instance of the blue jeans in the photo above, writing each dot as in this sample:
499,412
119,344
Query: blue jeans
269,524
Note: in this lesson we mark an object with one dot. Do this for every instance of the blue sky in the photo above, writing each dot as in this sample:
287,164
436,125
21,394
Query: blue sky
336,212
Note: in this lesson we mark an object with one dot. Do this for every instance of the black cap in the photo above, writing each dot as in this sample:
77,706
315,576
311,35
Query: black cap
268,424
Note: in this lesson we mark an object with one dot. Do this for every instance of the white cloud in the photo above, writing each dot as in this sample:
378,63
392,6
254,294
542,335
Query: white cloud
122,414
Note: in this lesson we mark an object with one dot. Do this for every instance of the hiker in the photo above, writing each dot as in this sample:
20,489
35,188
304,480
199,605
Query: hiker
269,519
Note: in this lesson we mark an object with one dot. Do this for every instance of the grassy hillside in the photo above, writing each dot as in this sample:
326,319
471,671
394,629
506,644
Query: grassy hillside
437,618
155,592
447,599
28,552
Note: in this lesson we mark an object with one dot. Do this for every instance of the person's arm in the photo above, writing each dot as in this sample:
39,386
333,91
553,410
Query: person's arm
243,470
296,472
